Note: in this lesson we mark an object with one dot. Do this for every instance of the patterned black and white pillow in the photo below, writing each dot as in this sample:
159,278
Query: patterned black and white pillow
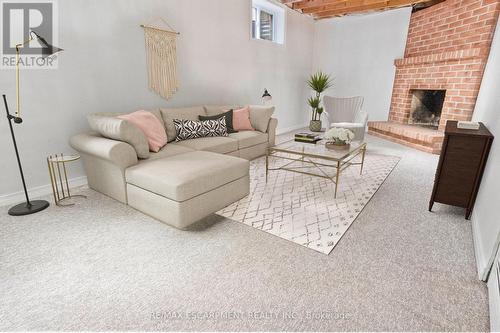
191,129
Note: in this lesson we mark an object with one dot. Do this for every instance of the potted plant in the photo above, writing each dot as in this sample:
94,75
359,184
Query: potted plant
318,82
338,138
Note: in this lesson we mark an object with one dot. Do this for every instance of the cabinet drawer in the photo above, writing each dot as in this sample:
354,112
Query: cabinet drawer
455,183
461,165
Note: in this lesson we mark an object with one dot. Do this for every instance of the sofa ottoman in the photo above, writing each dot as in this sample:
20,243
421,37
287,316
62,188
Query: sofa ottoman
182,189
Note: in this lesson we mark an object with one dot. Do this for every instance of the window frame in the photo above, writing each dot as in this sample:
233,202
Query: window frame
258,12
278,13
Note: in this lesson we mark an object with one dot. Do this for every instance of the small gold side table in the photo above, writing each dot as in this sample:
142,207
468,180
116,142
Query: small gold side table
59,178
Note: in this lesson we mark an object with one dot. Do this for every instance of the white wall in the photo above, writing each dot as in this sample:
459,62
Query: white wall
103,69
359,51
486,214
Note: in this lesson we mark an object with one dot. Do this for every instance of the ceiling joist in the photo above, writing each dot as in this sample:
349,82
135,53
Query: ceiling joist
321,9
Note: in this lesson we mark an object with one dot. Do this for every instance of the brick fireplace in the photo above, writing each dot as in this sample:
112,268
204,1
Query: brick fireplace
446,50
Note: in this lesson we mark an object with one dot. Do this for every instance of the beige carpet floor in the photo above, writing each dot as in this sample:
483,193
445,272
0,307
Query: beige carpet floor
104,266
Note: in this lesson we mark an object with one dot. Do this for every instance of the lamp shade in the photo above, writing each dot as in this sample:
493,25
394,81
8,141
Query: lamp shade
266,96
47,49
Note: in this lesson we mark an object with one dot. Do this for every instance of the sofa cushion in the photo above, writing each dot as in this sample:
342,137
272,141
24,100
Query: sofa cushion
221,145
249,138
260,116
152,127
157,114
241,120
107,125
227,115
212,110
167,151
168,115
194,129
182,177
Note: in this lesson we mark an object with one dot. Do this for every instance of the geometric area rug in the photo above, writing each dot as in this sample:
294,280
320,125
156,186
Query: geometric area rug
302,208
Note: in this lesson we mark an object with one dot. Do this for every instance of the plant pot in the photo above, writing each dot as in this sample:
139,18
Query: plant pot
315,125
337,146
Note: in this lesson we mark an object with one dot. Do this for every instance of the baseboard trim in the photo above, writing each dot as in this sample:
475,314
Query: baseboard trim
38,191
280,131
484,261
480,260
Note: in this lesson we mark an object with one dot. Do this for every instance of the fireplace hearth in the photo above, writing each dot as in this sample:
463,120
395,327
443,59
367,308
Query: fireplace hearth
426,107
439,76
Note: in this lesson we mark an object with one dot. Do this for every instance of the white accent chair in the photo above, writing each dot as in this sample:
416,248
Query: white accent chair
346,113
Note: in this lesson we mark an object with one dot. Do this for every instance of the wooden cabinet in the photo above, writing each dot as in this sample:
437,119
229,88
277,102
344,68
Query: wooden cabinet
461,165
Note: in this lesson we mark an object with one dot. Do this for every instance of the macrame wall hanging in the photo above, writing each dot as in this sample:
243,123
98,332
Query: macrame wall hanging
161,58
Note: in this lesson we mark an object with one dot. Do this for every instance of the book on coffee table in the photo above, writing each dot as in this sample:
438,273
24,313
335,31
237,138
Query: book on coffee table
307,137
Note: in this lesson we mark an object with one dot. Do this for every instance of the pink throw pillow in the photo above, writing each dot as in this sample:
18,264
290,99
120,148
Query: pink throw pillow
151,126
241,120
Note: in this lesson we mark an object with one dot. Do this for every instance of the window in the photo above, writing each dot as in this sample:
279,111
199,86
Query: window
268,21
266,26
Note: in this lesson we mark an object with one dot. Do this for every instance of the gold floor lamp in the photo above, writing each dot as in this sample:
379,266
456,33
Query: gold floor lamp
30,206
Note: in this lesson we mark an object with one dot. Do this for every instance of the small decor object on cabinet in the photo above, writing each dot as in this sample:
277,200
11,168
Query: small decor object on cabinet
468,125
461,166
338,138
59,178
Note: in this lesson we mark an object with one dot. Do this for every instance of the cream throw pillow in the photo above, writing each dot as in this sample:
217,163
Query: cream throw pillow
168,115
107,125
212,110
260,116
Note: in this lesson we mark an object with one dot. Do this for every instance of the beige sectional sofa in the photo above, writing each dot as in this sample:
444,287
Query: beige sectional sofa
186,180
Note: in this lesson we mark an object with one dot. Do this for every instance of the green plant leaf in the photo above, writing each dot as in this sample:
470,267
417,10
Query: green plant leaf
320,82
313,102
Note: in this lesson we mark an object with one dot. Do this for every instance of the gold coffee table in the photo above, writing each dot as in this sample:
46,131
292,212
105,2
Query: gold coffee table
316,156
59,178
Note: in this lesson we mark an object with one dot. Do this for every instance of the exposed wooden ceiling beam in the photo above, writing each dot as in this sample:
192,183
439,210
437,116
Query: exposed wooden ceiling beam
320,9
336,5
314,3
364,6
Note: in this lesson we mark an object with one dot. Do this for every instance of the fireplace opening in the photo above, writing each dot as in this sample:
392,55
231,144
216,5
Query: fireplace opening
426,107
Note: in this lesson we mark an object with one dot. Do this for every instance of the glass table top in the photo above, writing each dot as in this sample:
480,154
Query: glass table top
318,150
